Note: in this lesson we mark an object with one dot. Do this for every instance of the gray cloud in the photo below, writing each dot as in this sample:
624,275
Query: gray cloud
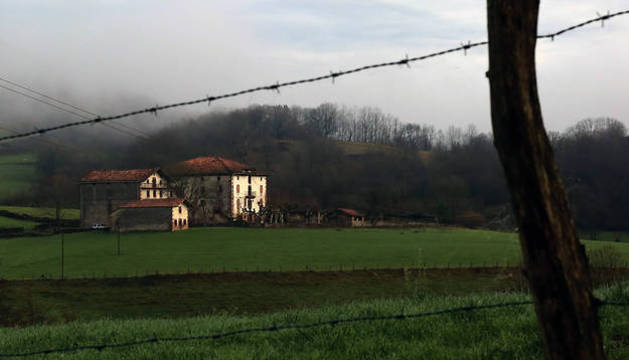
115,55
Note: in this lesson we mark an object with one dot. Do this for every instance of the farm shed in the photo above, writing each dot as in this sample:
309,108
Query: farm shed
152,215
346,217
103,191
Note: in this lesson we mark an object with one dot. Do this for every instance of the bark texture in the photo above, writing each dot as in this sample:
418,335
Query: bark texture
555,261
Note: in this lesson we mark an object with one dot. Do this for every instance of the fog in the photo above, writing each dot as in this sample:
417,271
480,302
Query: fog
113,56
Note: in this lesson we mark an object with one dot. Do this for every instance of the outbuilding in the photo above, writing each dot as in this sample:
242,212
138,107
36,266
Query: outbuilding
152,215
346,217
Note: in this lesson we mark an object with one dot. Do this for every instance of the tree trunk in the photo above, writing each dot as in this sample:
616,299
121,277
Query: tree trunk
555,261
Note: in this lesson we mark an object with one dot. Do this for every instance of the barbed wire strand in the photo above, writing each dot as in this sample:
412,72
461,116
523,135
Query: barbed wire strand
23,87
266,329
133,129
275,87
276,328
61,147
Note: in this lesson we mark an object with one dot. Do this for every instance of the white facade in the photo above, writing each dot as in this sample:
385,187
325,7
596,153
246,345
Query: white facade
154,187
180,217
248,192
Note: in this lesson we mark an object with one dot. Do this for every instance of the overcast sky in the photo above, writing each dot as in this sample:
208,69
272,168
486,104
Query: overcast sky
114,55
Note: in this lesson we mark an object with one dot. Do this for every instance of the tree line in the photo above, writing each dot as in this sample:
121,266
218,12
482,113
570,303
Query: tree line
333,156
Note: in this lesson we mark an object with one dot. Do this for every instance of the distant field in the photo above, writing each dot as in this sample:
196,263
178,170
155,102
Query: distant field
18,173
31,302
48,213
6,222
503,333
90,254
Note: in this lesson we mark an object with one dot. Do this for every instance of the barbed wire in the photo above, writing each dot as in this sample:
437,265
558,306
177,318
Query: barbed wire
406,61
45,96
272,328
276,328
137,133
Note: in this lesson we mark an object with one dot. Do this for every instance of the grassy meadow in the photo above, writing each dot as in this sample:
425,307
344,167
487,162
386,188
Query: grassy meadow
93,254
6,222
504,333
40,212
30,302
18,172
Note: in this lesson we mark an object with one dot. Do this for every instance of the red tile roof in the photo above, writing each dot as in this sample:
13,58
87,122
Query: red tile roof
146,203
118,175
351,212
207,165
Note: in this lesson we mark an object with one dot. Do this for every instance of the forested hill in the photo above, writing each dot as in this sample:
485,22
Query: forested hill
331,156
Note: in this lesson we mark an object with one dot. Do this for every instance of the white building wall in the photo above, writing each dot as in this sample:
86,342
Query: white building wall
159,191
240,190
180,216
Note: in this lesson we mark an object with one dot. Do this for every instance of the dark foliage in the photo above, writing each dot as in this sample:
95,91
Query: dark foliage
332,156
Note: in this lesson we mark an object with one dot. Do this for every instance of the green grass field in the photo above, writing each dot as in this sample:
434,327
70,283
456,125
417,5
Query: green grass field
6,222
18,173
30,302
90,254
504,333
47,213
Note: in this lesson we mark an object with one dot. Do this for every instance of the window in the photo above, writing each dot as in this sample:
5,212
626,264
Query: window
175,223
238,205
184,221
160,182
154,193
201,178
249,179
154,181
261,189
180,209
218,178
179,222
148,193
250,204
160,194
261,202
237,188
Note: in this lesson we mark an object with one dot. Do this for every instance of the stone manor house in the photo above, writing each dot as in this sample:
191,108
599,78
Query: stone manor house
203,190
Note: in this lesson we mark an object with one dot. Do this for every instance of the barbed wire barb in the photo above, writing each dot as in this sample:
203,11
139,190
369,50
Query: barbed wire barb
466,47
603,18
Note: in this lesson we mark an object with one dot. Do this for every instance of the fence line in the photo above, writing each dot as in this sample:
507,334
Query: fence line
276,328
344,268
275,87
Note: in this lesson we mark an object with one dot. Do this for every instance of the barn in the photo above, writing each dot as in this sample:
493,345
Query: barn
152,215
346,217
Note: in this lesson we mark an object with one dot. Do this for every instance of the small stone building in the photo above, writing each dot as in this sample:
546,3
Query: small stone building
152,215
104,191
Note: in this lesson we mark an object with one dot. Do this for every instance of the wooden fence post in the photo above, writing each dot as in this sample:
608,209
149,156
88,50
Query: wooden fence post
555,262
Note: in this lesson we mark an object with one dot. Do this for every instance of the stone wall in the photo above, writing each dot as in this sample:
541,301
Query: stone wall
98,200
208,197
143,219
